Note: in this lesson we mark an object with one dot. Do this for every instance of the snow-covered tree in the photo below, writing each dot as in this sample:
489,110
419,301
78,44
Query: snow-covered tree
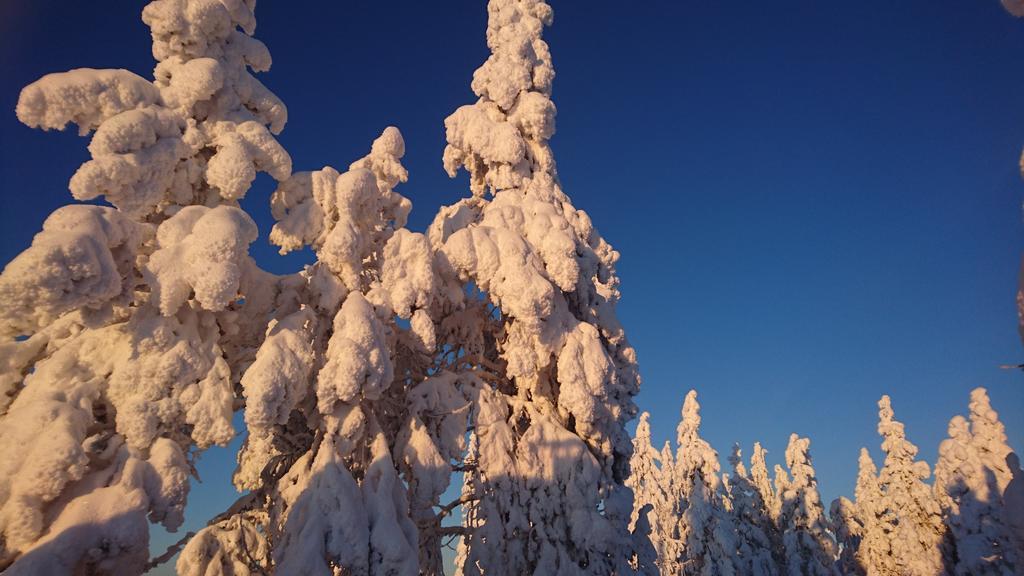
133,333
652,503
846,526
960,525
971,477
901,528
671,547
756,532
704,527
858,526
762,483
553,452
807,546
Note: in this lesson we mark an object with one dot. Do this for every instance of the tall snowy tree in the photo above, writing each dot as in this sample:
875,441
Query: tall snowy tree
553,452
807,546
133,333
971,477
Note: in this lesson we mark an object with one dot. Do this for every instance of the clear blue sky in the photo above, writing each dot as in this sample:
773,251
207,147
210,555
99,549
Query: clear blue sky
816,202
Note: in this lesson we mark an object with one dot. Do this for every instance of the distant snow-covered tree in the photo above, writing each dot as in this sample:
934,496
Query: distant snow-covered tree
858,526
848,530
972,476
671,548
906,511
704,527
653,510
762,483
807,545
960,525
756,532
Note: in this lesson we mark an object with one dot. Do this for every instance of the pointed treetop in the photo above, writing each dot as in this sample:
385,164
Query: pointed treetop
885,412
761,481
736,460
866,489
867,465
988,437
796,450
894,441
757,459
643,428
985,420
666,455
520,60
690,422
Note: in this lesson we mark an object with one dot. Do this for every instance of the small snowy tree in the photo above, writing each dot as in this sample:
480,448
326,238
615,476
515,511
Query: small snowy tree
705,528
763,485
671,548
755,530
904,508
652,502
971,477
858,526
848,530
807,545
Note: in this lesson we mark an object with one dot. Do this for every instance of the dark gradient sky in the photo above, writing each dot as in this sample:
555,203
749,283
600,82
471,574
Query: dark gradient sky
816,202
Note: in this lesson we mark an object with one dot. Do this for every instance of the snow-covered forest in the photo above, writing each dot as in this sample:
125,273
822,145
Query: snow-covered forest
484,351
700,520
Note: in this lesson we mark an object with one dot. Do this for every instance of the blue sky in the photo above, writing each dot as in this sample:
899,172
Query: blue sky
816,202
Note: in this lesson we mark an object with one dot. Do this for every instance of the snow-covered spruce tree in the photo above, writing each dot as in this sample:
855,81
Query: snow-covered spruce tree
857,525
762,483
671,548
807,545
134,332
971,477
705,529
756,532
652,502
848,531
905,509
325,400
123,326
552,452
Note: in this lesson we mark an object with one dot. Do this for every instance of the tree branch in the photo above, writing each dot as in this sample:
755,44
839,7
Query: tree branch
447,508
